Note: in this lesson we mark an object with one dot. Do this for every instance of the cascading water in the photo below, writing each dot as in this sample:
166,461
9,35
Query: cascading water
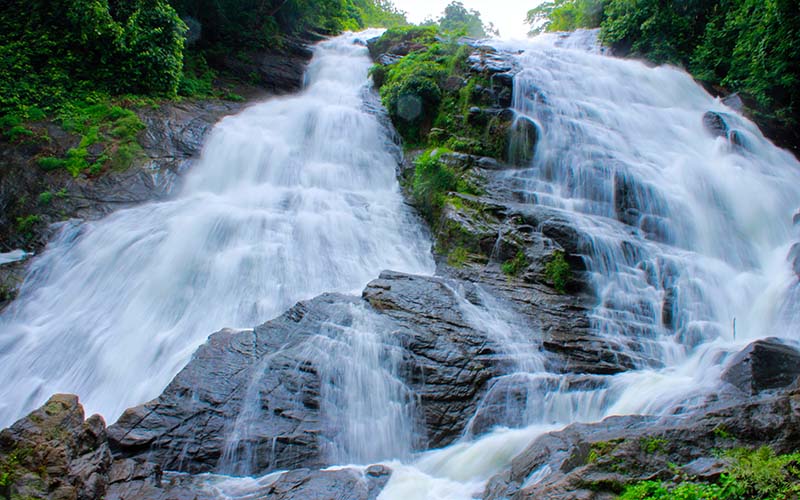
291,198
681,232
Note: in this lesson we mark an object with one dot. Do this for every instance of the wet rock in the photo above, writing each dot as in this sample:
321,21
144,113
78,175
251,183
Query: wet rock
716,124
300,484
54,453
596,461
279,69
522,144
762,365
446,362
794,258
344,484
172,139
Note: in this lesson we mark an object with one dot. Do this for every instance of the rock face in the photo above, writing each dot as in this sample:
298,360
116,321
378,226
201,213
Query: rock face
278,69
762,365
596,461
191,427
53,453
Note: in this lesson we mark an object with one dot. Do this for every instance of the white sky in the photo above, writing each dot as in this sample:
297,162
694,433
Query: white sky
507,15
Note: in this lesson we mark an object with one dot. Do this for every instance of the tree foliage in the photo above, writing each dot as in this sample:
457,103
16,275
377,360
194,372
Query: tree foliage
458,19
564,15
749,46
51,50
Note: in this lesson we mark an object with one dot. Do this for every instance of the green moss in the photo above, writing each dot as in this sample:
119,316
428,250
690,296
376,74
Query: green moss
558,272
749,475
651,445
25,224
432,181
601,449
513,267
50,163
45,198
457,257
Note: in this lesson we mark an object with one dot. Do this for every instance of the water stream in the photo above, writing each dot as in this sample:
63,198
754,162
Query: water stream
292,197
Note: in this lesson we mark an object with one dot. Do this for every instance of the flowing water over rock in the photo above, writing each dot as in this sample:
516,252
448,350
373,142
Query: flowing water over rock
684,231
293,197
683,220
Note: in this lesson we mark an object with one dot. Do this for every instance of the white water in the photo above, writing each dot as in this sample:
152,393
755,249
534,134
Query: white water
711,234
725,217
291,198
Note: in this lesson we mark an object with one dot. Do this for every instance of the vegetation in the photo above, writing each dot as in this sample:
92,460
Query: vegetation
750,474
515,266
430,94
458,20
432,181
558,272
748,46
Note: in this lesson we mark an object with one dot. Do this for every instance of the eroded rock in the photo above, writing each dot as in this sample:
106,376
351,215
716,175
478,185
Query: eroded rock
54,453
763,365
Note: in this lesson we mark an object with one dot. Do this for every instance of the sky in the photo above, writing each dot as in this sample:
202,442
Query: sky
507,15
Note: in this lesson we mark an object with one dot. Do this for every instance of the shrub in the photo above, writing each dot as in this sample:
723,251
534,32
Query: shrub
558,272
513,267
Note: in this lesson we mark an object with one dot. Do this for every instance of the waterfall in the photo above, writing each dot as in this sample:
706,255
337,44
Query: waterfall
291,198
681,232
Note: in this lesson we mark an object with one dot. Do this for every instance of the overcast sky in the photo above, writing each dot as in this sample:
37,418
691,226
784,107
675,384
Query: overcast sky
507,15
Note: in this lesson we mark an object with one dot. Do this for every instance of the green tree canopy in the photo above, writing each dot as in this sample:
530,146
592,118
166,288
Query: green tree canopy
458,19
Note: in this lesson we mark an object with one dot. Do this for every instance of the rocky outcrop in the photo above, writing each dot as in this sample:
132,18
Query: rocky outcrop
300,484
54,453
596,461
173,138
446,362
763,365
278,68
717,125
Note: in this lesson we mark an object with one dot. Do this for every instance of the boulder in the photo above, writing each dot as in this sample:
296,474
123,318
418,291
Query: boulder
522,143
764,364
716,124
794,258
250,401
596,461
54,453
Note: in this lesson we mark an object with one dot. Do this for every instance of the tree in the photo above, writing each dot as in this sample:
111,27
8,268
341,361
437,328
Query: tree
457,19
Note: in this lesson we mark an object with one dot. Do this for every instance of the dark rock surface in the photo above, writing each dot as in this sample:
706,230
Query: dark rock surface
764,364
299,484
54,453
596,461
446,362
279,69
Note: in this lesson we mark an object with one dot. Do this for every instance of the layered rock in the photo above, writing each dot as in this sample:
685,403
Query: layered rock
446,362
596,461
54,453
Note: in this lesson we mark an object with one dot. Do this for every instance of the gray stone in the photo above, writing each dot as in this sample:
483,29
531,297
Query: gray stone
54,453
762,365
